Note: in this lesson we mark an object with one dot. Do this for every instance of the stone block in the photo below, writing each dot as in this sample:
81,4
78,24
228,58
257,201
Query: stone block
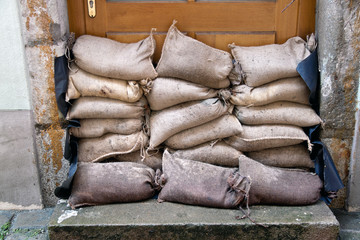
349,224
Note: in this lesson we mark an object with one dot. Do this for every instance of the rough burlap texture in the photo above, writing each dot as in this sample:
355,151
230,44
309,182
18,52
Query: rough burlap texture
255,138
151,159
168,122
109,145
83,84
198,183
264,64
91,128
104,183
220,154
96,107
168,92
288,89
109,58
279,186
295,156
219,128
186,58
278,113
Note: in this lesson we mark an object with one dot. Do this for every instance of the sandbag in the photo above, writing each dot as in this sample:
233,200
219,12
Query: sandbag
255,138
197,183
91,128
295,156
104,183
96,107
186,58
109,58
150,159
168,122
264,64
109,145
220,154
275,186
288,89
167,92
278,113
83,84
222,127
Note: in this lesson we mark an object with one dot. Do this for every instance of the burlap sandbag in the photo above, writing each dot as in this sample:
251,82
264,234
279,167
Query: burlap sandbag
186,58
222,127
295,156
91,128
109,145
167,92
279,186
83,84
109,58
278,113
104,183
289,89
255,138
197,183
150,159
220,154
264,64
96,107
168,122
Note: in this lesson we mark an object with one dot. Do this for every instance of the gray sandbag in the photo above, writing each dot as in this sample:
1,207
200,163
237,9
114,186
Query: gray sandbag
219,128
260,137
279,186
96,107
218,153
295,156
104,183
150,159
167,92
109,58
278,113
198,183
84,84
288,89
168,122
92,128
264,64
109,145
186,58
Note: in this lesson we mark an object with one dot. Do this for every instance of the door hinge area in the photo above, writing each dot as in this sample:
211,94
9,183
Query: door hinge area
91,8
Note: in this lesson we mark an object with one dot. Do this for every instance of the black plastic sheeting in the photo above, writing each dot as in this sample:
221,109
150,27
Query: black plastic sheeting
308,70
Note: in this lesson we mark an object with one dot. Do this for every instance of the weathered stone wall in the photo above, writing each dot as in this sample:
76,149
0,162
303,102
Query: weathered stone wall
45,26
338,30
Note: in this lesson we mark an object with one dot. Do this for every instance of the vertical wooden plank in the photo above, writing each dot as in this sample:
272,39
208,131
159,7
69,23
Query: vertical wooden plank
98,25
286,22
306,20
76,12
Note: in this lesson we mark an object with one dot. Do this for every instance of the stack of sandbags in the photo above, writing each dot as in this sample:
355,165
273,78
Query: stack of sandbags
189,100
106,87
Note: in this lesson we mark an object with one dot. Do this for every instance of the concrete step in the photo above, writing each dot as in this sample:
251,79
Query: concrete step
153,220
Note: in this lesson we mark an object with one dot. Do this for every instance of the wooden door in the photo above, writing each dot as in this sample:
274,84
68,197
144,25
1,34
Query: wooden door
214,22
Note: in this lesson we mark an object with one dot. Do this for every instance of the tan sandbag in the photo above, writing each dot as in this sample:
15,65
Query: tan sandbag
83,84
288,89
168,122
264,64
222,127
186,58
295,156
167,92
198,183
96,107
109,145
104,183
278,113
218,153
150,159
255,138
91,128
109,58
279,186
